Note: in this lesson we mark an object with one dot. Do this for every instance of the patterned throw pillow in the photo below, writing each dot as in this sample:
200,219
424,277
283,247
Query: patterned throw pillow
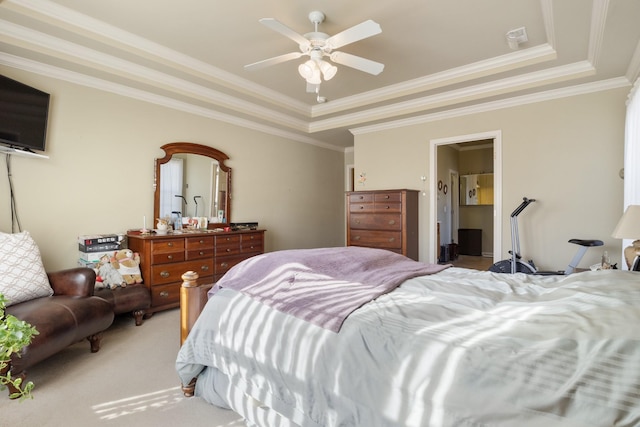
22,275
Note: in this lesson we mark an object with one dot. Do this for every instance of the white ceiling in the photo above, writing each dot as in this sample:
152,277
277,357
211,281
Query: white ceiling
441,56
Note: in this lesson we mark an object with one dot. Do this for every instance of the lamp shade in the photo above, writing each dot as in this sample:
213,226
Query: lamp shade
328,70
307,69
629,225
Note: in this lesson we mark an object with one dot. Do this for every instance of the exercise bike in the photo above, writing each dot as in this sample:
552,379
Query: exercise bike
515,264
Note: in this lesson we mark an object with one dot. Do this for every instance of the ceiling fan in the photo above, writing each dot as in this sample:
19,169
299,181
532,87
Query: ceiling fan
317,45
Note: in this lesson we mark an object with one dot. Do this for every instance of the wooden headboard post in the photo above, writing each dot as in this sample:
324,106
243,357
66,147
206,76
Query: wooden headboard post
189,303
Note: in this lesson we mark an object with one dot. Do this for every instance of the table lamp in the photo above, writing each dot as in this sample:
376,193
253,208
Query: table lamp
629,228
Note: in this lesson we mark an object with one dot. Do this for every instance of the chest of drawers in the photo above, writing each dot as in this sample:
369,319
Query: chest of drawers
385,219
164,258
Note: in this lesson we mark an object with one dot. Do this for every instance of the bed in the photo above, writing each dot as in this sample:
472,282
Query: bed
441,346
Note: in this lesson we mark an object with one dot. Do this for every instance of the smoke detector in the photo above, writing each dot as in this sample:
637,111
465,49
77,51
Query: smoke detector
516,37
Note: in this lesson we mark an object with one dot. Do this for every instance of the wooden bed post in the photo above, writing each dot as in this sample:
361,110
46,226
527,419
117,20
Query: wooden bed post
189,303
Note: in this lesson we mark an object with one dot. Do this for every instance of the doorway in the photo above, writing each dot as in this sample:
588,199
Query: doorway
444,206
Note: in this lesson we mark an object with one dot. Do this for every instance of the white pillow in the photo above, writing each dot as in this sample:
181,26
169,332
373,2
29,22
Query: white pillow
22,275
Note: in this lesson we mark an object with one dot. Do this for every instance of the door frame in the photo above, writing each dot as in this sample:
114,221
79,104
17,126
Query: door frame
496,136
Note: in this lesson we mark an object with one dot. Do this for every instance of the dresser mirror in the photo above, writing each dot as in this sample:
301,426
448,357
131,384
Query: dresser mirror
192,180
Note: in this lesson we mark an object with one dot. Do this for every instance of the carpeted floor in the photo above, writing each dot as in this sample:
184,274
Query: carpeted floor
131,381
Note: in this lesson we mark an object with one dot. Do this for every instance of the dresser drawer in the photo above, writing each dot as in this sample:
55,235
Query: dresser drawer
361,207
388,197
382,207
227,245
199,253
172,245
376,239
166,257
251,243
361,198
199,243
167,273
165,294
391,222
223,264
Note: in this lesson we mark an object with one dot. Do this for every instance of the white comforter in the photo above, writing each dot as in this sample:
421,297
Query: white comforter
457,348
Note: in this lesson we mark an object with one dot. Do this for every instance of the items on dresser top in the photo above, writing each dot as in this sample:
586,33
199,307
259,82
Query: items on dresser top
164,258
384,219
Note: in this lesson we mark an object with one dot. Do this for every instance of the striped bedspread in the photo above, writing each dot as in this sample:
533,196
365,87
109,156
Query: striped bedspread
457,348
323,286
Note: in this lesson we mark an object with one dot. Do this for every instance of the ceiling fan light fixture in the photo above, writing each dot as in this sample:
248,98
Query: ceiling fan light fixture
306,69
328,70
315,77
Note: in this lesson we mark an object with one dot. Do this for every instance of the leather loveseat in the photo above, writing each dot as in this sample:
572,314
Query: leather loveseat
70,315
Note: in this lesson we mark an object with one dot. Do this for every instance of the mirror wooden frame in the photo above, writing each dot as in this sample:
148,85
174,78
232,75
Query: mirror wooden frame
191,148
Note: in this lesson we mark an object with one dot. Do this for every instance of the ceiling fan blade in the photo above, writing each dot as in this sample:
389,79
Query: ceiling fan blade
279,27
357,32
357,62
273,61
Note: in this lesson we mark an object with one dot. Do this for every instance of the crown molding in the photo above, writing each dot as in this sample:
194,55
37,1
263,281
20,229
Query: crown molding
98,30
596,33
510,84
633,70
546,6
104,62
122,90
499,64
582,89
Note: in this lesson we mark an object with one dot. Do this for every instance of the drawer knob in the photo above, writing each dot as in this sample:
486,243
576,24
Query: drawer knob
391,239
164,274
201,252
361,207
387,207
224,265
204,268
228,250
392,222
356,237
386,196
170,244
164,294
169,256
357,221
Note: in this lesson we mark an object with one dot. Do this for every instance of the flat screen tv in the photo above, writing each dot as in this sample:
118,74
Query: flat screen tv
23,115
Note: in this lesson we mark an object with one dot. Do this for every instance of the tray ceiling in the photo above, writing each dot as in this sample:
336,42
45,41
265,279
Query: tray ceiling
441,57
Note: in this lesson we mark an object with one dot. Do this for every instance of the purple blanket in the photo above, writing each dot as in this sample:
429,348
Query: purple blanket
322,286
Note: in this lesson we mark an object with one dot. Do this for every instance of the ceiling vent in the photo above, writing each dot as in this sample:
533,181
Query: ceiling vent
516,37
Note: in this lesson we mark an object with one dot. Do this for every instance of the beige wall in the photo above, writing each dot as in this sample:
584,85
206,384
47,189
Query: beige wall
99,175
566,153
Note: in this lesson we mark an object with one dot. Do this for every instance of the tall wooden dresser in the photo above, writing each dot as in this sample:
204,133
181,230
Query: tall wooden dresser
164,258
385,219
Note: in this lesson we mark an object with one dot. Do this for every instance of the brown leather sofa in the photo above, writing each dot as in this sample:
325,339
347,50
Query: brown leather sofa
70,315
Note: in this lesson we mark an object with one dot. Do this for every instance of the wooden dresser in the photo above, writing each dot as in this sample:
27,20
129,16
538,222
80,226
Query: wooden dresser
385,219
164,258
